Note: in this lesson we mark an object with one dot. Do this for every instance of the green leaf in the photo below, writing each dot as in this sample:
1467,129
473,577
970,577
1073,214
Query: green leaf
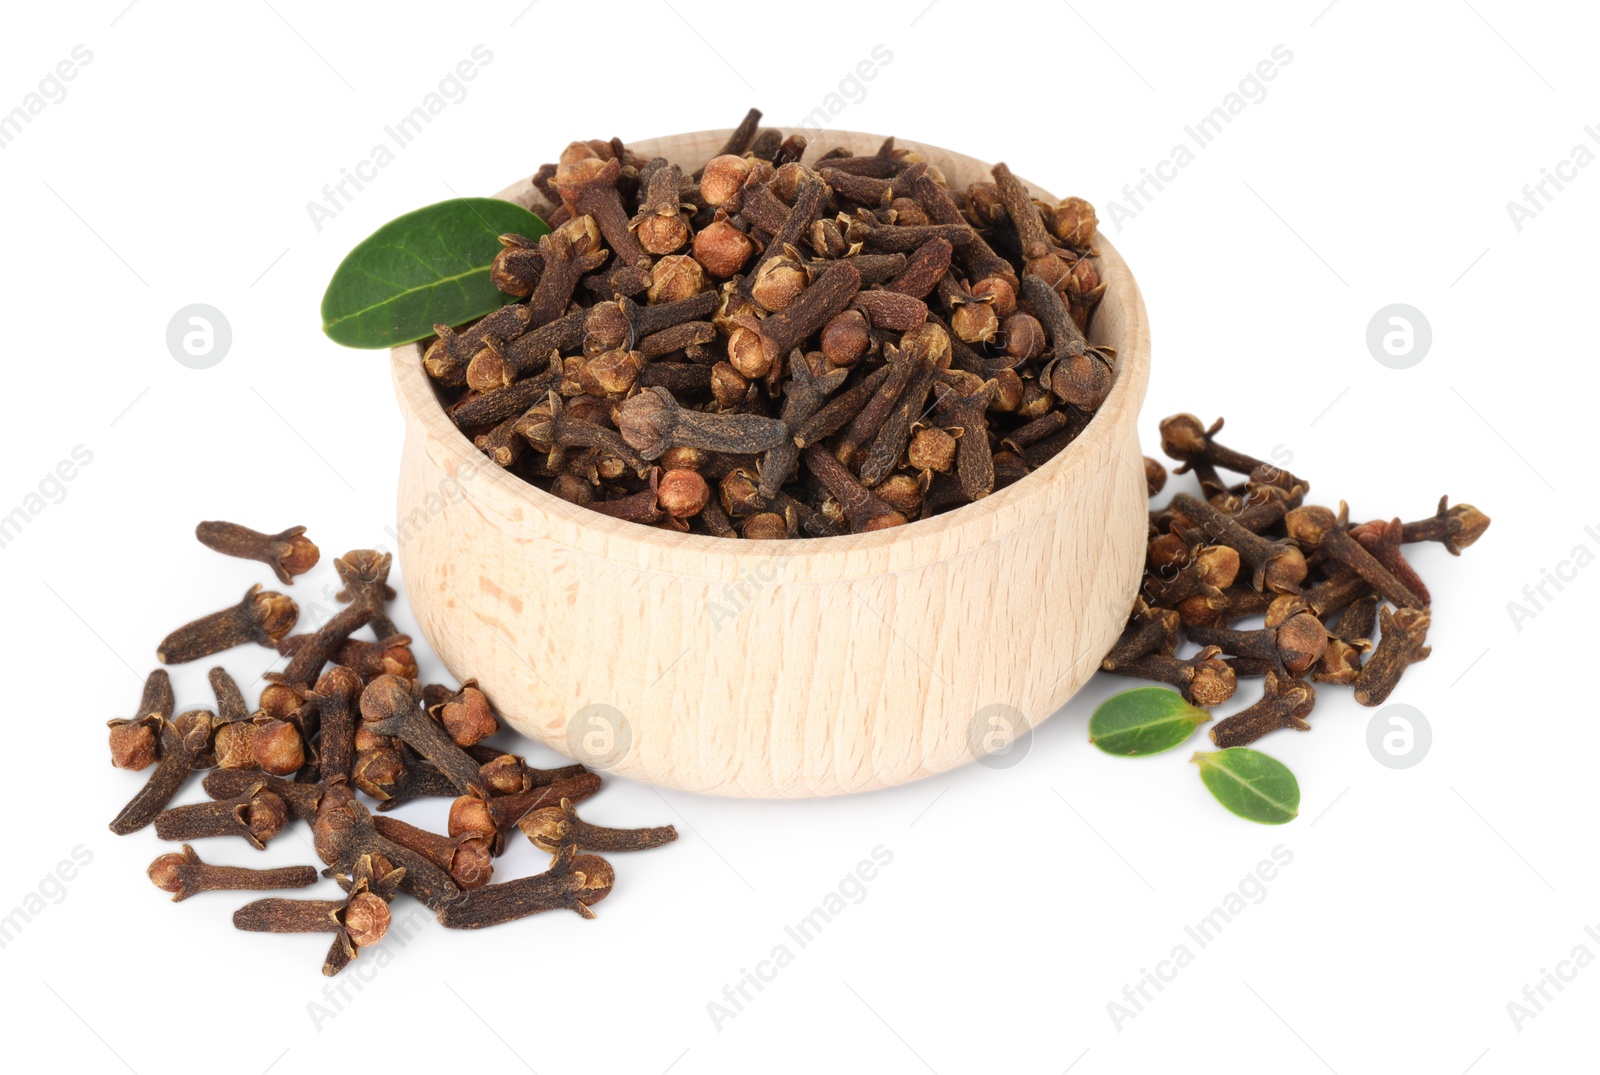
1250,784
428,267
1145,720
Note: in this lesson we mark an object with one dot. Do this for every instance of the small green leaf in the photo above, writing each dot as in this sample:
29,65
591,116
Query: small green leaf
428,267
1145,720
1250,784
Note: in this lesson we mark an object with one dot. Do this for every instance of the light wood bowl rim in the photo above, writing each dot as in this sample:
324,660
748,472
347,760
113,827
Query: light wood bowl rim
703,556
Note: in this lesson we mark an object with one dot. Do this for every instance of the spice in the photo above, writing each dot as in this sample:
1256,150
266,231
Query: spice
554,827
468,859
258,815
308,653
1403,633
1203,679
769,301
1454,528
301,799
185,746
1338,544
1285,703
653,422
1278,565
343,833
309,750
1185,438
261,617
184,875
1151,630
573,882
136,741
365,574
1382,540
488,816
359,920
465,713
288,553
1295,645
1341,604
388,707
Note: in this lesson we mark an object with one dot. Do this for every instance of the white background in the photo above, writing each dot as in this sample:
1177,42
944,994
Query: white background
1019,902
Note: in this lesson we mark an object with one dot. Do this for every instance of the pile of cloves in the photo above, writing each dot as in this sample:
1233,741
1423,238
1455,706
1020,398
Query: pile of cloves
765,348
1339,603
348,716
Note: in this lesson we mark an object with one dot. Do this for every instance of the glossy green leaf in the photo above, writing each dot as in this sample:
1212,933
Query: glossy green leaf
1250,784
428,267
1145,720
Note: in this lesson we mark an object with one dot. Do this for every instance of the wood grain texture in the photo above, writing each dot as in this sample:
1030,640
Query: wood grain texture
780,669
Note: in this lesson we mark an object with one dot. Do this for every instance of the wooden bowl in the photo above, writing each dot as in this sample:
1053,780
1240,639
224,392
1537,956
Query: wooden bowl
781,669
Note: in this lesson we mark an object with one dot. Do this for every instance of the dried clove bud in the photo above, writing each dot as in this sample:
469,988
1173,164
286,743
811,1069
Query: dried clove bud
184,875
258,816
1296,644
308,653
865,511
467,859
185,746
722,178
261,617
1401,644
302,799
1155,476
288,553
1186,439
1279,566
722,249
277,747
662,222
365,574
486,817
551,828
389,708
517,267
573,882
1338,544
1204,679
343,834
652,422
1383,541
1285,703
358,921
136,742
465,714
1150,630
1454,528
